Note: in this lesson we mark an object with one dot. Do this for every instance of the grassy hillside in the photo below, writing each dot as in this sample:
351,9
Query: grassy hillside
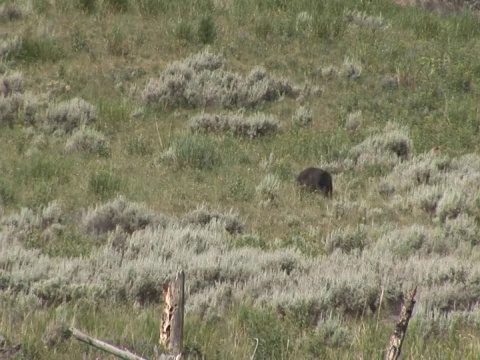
138,137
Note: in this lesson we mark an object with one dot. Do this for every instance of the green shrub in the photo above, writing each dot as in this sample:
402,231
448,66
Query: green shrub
153,7
193,151
117,43
140,147
87,6
183,31
118,5
7,194
207,30
31,49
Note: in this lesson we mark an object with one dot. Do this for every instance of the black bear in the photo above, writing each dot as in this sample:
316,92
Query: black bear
316,179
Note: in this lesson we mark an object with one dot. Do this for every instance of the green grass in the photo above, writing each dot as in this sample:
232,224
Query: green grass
362,89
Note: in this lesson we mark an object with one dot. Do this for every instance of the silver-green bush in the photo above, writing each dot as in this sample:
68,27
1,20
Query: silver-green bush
70,115
87,140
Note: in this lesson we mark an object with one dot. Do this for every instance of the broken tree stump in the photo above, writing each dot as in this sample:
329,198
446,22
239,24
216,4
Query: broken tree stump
396,340
171,329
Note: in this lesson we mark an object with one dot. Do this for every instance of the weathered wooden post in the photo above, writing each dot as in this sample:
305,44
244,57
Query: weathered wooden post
171,329
396,340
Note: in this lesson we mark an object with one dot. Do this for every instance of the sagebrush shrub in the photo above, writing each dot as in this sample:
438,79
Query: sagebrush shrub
267,190
425,169
128,216
363,18
10,46
237,124
302,116
202,81
70,115
304,22
87,140
346,239
12,83
351,68
462,228
9,107
28,223
392,145
202,215
353,120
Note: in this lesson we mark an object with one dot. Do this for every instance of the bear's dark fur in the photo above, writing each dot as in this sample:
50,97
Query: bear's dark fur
317,180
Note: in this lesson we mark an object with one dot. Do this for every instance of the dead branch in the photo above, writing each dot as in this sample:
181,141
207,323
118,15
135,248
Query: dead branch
122,354
396,340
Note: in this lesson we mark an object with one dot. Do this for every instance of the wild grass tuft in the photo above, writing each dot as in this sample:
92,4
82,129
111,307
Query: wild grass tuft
193,151
104,184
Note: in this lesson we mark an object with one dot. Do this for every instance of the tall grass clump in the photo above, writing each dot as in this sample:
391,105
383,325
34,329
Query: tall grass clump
104,184
67,116
193,151
237,124
33,49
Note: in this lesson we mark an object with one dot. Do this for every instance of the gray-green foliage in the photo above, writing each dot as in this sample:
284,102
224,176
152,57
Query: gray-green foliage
143,246
29,223
302,116
11,97
252,126
202,215
202,81
87,140
388,148
442,187
267,190
69,115
129,216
